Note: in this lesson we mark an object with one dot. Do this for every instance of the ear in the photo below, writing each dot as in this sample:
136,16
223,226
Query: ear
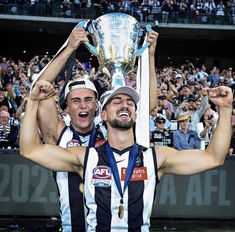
97,105
103,115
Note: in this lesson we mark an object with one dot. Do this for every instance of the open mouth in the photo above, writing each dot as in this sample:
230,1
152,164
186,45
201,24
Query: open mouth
83,115
123,114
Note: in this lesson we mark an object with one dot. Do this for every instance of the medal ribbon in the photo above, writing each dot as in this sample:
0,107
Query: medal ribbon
114,168
92,137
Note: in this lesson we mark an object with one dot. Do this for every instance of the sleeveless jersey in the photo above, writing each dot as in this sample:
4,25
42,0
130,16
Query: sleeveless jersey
101,195
70,185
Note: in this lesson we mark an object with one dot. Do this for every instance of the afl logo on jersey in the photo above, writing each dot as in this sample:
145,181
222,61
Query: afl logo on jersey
101,176
73,143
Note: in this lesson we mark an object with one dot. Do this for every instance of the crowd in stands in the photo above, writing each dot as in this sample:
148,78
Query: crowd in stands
175,11
183,118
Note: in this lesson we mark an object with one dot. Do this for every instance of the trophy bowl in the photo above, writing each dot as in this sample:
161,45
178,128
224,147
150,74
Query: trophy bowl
117,37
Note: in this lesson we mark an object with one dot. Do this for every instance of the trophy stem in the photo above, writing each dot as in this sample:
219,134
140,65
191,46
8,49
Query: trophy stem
118,80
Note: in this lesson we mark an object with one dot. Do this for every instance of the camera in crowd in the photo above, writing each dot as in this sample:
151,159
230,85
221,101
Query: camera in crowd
209,117
161,97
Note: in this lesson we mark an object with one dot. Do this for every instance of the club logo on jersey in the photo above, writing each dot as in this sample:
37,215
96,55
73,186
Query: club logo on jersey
102,176
73,143
139,173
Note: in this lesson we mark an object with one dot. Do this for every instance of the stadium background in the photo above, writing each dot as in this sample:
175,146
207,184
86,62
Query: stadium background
23,37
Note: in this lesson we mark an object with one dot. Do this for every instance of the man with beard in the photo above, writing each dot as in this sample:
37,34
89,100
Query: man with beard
120,176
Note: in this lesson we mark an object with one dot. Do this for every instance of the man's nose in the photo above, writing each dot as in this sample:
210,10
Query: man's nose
83,104
124,104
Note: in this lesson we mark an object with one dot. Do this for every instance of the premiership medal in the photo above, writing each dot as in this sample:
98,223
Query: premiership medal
121,210
81,187
129,171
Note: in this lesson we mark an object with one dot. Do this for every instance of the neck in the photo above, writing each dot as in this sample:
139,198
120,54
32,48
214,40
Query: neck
120,139
82,130
184,130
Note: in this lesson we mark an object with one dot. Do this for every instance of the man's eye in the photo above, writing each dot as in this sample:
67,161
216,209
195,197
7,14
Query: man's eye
131,103
116,101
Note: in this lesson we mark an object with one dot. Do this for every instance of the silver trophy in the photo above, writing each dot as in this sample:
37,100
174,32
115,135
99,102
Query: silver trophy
117,37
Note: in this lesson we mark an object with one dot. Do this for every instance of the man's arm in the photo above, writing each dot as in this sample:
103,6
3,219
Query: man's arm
48,120
204,105
152,39
194,161
76,37
49,156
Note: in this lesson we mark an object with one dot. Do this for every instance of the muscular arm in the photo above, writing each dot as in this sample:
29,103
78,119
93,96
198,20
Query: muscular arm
49,156
48,121
190,162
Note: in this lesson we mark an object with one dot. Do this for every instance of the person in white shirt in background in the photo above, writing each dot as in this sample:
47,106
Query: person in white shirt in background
206,128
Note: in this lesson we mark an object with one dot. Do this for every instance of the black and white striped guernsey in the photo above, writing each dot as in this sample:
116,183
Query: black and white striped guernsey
101,195
70,185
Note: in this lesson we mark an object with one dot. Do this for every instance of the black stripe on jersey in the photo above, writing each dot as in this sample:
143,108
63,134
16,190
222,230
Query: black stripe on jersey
61,134
135,191
156,169
85,160
75,195
103,213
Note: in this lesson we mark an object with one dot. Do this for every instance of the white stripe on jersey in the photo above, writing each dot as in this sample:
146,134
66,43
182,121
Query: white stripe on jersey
62,182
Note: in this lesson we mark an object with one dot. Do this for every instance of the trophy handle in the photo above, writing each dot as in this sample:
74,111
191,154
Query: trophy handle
140,51
86,24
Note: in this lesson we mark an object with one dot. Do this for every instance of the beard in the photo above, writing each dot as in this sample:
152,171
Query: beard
121,125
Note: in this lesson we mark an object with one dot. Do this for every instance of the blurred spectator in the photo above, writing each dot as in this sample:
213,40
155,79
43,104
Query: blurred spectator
206,128
167,8
188,107
125,6
156,11
202,76
4,64
220,9
183,7
184,92
8,132
231,11
21,109
168,95
8,76
162,107
5,106
97,7
184,138
4,100
66,7
210,10
48,7
145,10
198,103
131,79
12,97
83,6
134,7
214,77
152,118
160,136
